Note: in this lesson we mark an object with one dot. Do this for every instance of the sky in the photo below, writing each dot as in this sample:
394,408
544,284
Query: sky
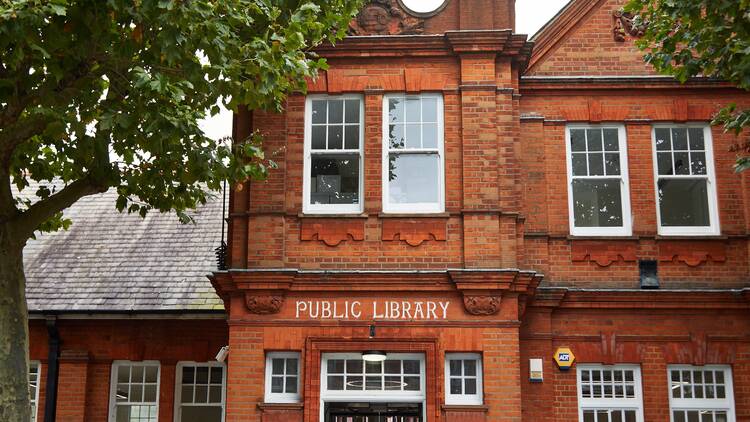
530,16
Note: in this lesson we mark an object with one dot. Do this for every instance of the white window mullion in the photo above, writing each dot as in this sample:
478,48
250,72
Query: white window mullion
704,392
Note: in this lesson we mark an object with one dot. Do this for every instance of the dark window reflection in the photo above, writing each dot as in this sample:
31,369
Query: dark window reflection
684,202
334,179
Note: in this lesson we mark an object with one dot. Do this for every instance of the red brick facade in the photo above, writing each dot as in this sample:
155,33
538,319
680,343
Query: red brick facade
516,283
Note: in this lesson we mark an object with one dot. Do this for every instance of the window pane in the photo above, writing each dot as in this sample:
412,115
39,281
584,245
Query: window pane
334,179
579,164
335,366
214,394
123,374
217,374
149,393
429,110
151,373
664,160
696,139
354,383
351,136
335,383
594,139
679,416
663,142
692,416
429,135
392,366
396,136
679,139
335,111
611,142
136,373
373,383
201,375
352,111
393,383
578,140
318,137
602,416
630,416
411,383
201,394
681,163
291,385
413,178
373,367
319,111
588,416
413,135
470,386
354,366
395,110
201,414
277,385
470,368
596,164
616,416
335,137
455,367
277,366
455,385
597,203
683,202
411,366
291,366
413,110
612,164
136,393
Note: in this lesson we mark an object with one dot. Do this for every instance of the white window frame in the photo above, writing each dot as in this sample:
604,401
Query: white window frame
178,405
714,228
627,227
464,399
35,397
725,404
113,385
307,206
416,208
635,403
282,397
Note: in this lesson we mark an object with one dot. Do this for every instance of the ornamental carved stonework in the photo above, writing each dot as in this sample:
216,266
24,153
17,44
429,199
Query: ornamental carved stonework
625,25
385,17
264,304
482,304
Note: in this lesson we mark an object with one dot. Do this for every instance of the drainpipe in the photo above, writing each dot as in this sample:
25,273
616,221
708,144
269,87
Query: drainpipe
50,403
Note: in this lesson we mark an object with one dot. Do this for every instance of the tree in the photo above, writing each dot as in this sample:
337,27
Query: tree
710,38
100,94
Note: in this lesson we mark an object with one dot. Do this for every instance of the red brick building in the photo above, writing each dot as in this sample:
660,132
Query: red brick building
454,208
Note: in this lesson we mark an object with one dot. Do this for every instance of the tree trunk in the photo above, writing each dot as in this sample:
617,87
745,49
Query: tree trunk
14,331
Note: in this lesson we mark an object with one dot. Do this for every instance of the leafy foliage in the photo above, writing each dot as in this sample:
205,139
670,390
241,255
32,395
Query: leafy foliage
711,38
108,93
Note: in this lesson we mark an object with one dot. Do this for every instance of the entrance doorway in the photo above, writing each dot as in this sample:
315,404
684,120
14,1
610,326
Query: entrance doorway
355,390
373,412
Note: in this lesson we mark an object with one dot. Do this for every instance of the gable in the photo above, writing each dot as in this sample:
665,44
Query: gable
580,41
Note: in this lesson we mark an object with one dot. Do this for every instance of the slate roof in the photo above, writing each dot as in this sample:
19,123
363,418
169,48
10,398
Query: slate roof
112,262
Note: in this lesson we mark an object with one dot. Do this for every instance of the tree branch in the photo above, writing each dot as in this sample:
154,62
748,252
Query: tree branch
30,219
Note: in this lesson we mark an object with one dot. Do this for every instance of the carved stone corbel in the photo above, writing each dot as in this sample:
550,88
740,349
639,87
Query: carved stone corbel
482,304
624,25
385,17
263,304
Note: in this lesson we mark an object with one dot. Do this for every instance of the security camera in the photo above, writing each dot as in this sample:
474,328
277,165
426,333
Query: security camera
221,356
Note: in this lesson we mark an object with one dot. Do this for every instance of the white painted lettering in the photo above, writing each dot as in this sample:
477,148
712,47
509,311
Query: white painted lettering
431,310
395,310
356,312
406,310
325,311
315,314
418,312
444,305
301,307
375,314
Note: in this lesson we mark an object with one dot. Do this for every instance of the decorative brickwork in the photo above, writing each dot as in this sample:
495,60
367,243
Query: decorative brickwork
385,17
332,231
692,253
604,253
264,304
414,232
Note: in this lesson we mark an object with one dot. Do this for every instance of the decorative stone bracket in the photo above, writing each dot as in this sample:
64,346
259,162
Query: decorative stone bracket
602,252
414,232
483,290
264,304
332,232
385,17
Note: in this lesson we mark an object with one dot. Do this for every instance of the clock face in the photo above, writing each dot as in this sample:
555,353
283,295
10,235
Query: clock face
423,7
